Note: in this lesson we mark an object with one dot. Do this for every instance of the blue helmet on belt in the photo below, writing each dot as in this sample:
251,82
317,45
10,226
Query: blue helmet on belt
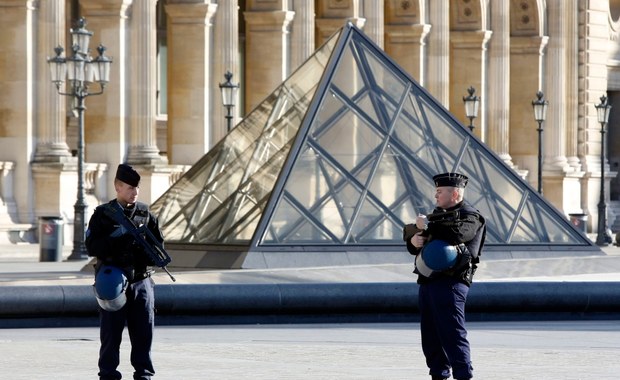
436,256
110,286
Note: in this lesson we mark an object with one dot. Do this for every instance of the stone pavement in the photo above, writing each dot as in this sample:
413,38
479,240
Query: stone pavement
558,350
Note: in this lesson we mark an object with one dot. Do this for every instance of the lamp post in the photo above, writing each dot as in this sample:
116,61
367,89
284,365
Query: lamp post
472,104
81,71
229,97
540,113
603,238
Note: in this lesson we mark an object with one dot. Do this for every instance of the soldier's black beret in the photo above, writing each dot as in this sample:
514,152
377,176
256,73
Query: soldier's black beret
450,180
128,175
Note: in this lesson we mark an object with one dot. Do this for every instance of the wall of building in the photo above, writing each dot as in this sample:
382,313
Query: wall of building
507,50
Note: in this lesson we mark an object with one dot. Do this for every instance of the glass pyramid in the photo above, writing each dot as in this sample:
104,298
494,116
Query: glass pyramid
342,155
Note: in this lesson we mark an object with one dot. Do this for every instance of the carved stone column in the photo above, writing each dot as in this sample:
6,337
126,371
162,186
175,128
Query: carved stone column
555,90
560,180
225,57
302,35
54,170
190,87
571,41
498,122
373,12
50,111
439,51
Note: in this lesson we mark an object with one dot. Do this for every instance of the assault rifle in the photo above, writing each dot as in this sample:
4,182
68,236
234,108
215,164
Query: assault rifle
153,248
447,218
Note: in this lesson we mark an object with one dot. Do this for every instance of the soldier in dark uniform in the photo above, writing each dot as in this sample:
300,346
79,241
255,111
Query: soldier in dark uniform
110,243
442,294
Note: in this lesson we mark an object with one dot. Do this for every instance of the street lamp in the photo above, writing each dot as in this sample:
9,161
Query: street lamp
603,238
229,97
540,113
472,104
81,71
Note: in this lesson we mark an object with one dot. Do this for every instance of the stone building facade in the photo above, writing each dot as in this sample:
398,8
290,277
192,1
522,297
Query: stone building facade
162,109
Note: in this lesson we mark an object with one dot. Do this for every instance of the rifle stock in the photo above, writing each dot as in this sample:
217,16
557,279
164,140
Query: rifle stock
440,217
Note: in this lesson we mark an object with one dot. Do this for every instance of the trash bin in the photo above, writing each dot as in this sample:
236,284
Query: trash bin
50,238
580,222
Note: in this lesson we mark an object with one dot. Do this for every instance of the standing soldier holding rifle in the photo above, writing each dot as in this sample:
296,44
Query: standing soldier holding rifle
123,284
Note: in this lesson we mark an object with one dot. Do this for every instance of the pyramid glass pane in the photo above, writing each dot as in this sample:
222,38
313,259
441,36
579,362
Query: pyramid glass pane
342,155
385,137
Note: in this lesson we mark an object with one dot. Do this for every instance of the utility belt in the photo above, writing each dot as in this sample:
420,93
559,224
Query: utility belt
130,272
137,277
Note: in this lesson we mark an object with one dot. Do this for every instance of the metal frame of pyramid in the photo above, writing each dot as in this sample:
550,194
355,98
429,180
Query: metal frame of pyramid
330,166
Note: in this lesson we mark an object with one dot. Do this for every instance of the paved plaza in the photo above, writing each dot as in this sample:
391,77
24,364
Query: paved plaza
501,350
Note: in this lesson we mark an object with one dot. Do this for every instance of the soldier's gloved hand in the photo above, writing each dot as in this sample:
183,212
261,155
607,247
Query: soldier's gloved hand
418,240
421,221
409,230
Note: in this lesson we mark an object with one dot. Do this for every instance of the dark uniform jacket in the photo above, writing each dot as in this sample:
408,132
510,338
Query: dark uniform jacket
468,233
111,244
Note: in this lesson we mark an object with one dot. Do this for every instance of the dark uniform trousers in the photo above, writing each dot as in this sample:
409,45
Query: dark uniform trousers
442,324
139,314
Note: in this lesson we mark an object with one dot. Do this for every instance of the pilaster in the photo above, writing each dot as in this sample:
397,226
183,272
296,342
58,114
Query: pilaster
17,100
50,111
405,38
302,35
470,47
225,57
498,126
554,146
54,170
526,55
143,85
373,12
190,88
594,39
266,48
106,124
439,51
571,41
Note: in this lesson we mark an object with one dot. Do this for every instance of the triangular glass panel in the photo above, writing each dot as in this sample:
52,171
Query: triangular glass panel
250,147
